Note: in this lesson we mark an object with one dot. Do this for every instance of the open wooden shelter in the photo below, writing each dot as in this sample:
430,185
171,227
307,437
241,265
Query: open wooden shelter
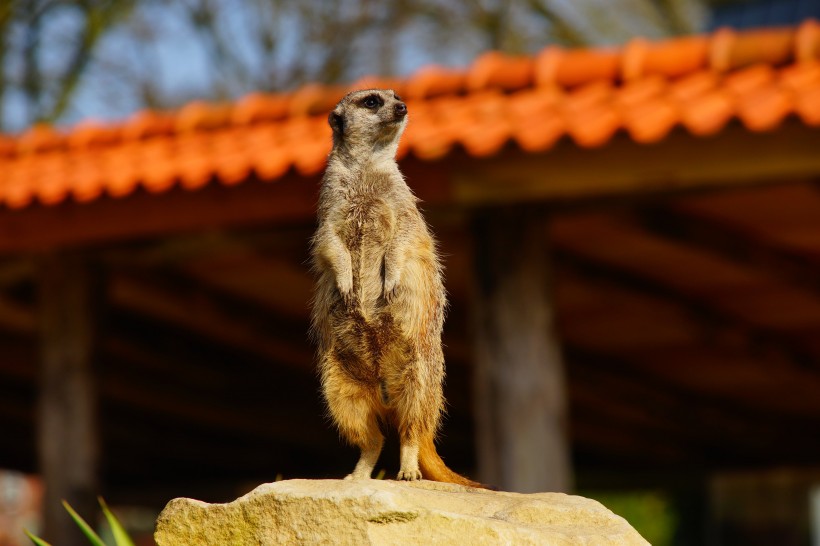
632,248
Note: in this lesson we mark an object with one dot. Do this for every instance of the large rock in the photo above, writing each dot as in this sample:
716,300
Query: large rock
389,512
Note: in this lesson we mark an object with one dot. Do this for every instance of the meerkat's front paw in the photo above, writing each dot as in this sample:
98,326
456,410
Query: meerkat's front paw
345,287
390,292
391,284
409,475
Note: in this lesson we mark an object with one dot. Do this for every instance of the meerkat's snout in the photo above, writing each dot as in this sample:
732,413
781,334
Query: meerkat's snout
400,109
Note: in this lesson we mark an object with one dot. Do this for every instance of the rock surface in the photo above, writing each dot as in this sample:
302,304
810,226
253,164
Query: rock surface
389,512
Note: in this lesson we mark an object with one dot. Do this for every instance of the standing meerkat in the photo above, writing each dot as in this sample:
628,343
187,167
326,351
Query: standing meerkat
379,303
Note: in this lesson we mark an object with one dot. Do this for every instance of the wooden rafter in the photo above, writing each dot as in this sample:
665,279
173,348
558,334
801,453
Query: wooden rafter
702,307
723,431
239,397
16,317
731,244
13,271
217,317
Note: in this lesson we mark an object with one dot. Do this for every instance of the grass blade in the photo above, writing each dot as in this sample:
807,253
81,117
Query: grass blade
84,527
36,540
120,536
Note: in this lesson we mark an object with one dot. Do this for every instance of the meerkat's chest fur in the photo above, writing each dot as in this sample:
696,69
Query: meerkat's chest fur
363,212
366,217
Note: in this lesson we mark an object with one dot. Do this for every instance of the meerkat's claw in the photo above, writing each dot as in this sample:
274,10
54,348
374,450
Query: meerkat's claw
348,299
390,294
409,476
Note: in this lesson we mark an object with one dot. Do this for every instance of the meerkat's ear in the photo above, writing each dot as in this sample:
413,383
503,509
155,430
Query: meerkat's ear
337,122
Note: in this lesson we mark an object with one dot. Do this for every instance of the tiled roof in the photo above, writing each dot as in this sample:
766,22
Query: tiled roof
646,89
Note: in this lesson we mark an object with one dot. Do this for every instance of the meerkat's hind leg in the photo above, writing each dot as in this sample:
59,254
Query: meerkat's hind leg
409,462
354,408
411,422
359,424
367,461
415,395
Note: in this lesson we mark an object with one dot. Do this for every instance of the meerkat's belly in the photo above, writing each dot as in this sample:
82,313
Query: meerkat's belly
369,231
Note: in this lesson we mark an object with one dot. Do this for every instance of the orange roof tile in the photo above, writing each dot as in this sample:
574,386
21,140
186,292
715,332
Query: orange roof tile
644,89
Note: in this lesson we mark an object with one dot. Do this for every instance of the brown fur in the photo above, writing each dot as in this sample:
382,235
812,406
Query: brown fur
379,303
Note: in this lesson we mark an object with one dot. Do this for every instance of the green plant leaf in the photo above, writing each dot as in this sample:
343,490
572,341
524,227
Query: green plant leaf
92,537
120,536
36,540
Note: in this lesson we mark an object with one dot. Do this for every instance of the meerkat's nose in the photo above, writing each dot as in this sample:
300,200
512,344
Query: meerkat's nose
401,109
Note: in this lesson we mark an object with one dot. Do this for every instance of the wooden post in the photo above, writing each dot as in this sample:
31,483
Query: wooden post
67,412
520,395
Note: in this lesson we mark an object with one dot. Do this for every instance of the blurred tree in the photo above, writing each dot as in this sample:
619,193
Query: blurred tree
46,46
61,60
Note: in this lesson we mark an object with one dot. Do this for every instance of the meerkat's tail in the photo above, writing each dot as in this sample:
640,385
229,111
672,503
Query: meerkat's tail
433,468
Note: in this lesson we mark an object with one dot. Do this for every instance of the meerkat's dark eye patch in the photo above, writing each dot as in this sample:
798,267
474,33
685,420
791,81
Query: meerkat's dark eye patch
372,102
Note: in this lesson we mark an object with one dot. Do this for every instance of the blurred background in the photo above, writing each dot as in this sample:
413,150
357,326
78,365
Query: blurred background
662,283
68,61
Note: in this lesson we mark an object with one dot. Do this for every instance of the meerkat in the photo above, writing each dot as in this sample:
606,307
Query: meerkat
379,302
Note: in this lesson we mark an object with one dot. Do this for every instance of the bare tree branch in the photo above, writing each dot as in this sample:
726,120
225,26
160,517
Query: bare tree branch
276,45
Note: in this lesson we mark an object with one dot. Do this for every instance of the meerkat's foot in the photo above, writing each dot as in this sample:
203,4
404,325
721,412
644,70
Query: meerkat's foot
354,476
367,462
409,465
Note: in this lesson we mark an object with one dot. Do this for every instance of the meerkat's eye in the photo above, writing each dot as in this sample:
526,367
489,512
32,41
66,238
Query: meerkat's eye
373,101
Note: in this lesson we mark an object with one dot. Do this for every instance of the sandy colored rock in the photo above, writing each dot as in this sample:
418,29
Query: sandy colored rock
389,512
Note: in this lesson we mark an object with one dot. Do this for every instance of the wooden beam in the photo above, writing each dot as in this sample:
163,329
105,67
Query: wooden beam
520,400
283,286
67,421
719,432
667,340
244,401
281,241
142,214
13,271
242,325
15,317
722,239
735,157
702,307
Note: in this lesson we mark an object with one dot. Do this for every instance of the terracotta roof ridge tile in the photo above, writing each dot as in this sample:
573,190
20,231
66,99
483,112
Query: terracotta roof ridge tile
433,80
496,70
679,59
807,41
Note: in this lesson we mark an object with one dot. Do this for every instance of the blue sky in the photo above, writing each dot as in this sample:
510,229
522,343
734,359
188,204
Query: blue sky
157,44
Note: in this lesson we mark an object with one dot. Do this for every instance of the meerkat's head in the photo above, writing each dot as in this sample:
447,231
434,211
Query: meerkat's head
368,120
